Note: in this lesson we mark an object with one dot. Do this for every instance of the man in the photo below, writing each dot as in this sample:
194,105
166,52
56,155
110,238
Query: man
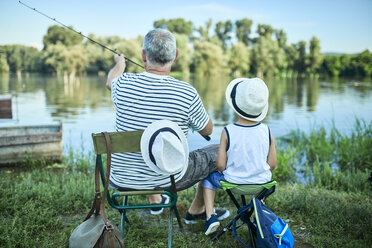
142,98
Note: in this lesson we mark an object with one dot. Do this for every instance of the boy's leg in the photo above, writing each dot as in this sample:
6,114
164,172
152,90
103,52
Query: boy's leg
209,201
210,184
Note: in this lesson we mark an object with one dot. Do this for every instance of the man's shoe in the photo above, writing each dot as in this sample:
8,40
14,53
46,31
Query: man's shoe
222,213
211,225
193,218
164,200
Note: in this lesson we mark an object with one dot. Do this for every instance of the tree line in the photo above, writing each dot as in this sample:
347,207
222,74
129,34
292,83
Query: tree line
232,49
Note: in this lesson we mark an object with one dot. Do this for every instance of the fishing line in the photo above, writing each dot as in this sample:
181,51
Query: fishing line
207,137
96,42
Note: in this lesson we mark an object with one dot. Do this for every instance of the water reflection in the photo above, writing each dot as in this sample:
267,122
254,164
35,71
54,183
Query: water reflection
84,105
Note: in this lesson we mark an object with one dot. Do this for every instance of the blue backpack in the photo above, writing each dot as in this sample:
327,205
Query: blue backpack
270,230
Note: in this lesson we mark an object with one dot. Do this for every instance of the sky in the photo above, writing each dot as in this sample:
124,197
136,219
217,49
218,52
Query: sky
342,26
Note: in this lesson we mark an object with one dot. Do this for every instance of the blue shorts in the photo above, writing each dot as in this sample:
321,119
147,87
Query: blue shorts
213,181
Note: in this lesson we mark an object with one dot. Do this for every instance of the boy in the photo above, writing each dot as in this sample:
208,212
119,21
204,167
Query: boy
247,152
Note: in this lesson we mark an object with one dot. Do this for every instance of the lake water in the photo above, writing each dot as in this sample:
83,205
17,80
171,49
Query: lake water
84,106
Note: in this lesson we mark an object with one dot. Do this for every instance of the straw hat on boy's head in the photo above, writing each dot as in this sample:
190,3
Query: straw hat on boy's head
164,148
248,97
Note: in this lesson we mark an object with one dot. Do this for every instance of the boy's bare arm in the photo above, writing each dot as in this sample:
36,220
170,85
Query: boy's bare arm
222,155
271,157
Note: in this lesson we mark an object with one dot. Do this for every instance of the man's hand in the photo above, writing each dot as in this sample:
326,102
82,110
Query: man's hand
117,70
120,59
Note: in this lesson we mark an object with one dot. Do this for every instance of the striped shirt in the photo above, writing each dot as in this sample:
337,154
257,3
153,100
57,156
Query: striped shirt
140,99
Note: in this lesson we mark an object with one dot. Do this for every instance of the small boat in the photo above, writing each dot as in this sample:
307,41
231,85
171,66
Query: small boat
6,109
19,144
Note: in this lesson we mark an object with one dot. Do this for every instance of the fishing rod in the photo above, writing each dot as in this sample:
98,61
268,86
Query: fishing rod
87,37
96,42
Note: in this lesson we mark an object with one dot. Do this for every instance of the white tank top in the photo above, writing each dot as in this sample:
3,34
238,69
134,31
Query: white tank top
247,151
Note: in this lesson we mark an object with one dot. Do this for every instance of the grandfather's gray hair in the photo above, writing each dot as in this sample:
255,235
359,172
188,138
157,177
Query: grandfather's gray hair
160,47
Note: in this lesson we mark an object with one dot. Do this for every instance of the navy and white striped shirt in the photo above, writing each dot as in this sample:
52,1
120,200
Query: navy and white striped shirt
140,99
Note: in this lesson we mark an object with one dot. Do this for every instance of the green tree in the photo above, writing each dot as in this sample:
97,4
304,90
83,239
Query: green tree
204,31
363,64
177,25
66,60
14,57
209,59
31,59
280,59
22,58
184,59
292,55
345,61
96,56
268,58
4,67
132,49
331,65
239,59
243,30
57,34
300,63
281,37
265,30
223,31
315,57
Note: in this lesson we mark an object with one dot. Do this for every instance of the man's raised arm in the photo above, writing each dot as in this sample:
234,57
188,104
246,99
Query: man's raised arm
117,70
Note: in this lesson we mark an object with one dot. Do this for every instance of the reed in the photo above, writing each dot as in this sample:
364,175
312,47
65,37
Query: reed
330,159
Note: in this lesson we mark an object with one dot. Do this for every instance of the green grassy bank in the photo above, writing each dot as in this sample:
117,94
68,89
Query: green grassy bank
39,207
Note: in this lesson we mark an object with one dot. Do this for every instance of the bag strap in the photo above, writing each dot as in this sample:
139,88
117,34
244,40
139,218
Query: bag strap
280,236
241,211
109,226
96,206
107,181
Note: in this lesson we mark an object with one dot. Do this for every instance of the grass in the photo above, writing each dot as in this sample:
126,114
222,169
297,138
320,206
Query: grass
40,207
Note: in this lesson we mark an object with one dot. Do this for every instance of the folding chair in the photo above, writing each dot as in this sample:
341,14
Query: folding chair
259,191
122,142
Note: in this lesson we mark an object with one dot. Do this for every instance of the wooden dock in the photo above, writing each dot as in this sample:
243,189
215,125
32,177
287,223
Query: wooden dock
22,143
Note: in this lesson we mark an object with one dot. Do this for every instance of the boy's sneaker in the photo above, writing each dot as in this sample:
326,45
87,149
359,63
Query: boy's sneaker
164,200
211,225
192,218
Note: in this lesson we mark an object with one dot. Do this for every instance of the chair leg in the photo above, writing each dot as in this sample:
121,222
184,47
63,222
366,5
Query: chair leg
252,235
170,228
123,216
226,228
178,216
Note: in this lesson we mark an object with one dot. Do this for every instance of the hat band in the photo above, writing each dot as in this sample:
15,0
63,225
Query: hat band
152,139
233,95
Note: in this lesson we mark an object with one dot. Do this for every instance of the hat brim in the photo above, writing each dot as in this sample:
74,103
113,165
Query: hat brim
145,139
229,101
